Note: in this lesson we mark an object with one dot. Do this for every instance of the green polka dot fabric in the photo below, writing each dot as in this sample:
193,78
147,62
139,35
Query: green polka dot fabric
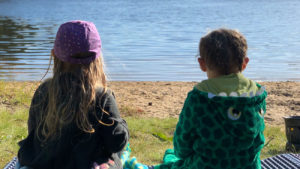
218,132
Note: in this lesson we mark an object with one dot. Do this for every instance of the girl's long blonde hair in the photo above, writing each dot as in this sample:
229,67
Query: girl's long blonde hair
71,95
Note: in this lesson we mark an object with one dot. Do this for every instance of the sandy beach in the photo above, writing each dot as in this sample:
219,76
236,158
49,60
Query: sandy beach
165,99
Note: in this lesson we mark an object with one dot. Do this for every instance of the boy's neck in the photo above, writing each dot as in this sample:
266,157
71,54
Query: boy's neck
213,74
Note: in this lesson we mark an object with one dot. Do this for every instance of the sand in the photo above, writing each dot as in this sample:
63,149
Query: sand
165,99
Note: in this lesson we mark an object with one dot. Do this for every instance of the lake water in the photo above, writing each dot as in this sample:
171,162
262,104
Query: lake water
152,39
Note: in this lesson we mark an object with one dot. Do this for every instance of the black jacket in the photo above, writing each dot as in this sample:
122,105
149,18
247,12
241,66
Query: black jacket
75,149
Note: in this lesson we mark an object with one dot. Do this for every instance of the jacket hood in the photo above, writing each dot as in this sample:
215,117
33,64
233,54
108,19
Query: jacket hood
240,117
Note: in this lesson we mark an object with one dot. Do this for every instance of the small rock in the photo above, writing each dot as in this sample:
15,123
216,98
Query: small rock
150,104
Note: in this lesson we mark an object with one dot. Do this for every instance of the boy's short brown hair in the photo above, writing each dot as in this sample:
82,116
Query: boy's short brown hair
223,50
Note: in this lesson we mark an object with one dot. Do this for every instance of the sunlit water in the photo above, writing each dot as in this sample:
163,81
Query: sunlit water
152,39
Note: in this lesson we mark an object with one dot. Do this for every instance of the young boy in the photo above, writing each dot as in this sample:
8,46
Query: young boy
222,121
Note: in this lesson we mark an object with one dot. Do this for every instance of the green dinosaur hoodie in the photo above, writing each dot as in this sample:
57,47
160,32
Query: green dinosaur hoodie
219,132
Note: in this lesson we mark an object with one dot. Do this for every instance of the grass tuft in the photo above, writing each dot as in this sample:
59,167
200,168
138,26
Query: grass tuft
162,136
131,111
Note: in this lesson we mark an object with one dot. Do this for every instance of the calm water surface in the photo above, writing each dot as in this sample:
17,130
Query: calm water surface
152,39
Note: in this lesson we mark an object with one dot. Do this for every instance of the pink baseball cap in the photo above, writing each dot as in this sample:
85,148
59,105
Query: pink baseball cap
77,37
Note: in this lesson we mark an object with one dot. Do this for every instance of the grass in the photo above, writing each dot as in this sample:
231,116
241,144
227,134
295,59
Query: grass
275,141
149,137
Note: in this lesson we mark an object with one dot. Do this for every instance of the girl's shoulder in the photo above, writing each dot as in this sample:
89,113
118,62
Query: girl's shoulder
104,92
42,88
104,95
45,84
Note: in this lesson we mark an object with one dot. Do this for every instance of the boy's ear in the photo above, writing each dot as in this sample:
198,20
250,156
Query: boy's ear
202,64
245,62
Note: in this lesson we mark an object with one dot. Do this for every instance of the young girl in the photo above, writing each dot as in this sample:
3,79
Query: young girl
73,120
